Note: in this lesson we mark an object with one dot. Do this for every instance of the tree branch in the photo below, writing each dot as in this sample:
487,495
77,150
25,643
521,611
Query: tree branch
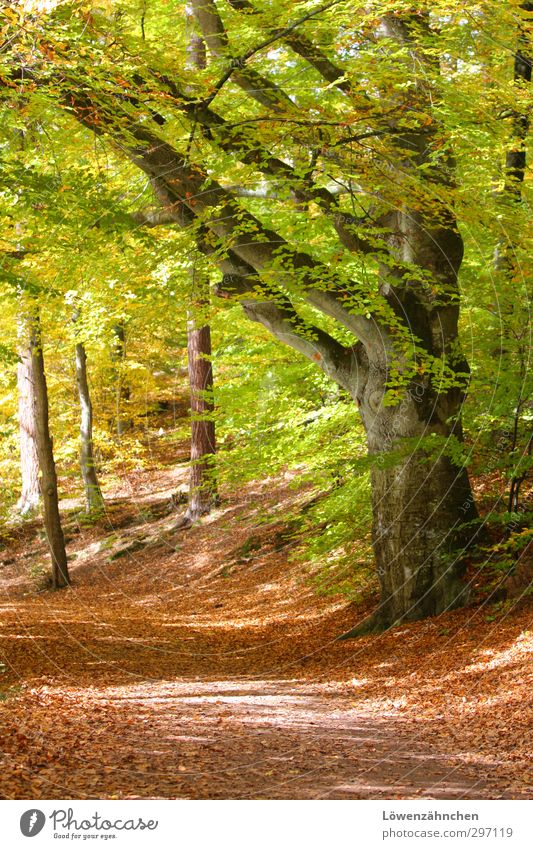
306,49
191,196
342,365
280,34
153,217
339,363
189,192
251,152
256,85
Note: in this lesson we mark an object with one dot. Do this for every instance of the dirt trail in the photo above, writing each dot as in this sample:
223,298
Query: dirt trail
198,666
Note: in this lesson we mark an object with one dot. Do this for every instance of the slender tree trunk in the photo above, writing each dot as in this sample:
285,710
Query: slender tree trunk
515,169
29,461
515,160
122,392
202,481
202,484
93,494
52,521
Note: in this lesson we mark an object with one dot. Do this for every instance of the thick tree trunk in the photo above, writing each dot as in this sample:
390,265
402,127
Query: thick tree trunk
52,521
93,494
424,515
419,506
202,485
29,460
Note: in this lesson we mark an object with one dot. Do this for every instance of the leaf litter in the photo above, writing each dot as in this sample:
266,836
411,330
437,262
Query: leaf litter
184,669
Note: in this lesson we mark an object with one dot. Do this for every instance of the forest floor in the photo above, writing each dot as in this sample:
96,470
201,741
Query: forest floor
202,664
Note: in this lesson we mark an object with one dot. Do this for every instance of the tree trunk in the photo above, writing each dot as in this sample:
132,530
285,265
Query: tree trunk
29,461
515,169
122,392
52,521
202,484
419,506
93,494
424,514
515,160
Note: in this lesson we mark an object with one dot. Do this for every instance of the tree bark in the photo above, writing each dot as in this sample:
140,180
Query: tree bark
421,509
515,169
202,483
93,495
122,390
418,507
424,514
52,521
29,460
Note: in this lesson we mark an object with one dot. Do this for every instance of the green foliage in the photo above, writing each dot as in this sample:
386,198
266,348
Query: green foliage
509,549
276,413
338,546
275,410
70,237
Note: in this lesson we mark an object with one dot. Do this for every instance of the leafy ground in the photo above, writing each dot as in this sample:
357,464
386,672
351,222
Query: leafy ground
200,664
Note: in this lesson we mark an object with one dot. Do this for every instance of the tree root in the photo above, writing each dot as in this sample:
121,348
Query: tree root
376,623
183,524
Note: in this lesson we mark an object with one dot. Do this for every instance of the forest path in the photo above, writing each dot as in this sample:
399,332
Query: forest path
230,739
203,665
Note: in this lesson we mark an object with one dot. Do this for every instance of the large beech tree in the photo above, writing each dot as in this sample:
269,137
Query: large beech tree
311,162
